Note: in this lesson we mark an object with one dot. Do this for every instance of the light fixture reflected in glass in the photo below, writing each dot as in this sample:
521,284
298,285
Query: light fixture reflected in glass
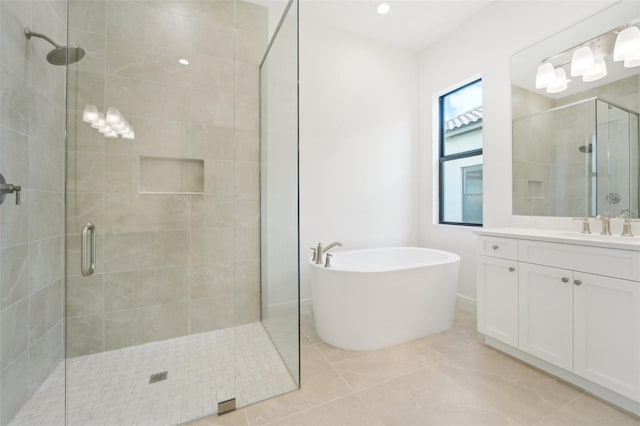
110,124
627,43
598,71
90,113
560,83
183,61
582,61
113,116
99,123
383,8
545,76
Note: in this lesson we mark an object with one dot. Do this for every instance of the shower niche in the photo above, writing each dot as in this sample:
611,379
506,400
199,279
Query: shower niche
578,159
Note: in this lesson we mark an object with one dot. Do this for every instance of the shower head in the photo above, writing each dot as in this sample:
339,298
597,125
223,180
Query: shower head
61,55
586,149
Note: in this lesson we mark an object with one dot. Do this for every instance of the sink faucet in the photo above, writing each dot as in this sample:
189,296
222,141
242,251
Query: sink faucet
322,250
606,223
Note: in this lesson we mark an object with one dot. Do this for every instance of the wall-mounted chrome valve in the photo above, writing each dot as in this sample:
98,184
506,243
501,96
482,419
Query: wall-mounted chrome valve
585,224
7,188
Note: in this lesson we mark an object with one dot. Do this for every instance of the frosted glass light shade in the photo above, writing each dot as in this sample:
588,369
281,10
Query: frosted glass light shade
598,71
111,135
545,76
131,135
99,123
90,113
632,60
560,83
113,116
627,43
106,130
582,61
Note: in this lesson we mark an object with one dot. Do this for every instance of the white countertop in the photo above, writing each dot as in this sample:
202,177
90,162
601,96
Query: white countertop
566,237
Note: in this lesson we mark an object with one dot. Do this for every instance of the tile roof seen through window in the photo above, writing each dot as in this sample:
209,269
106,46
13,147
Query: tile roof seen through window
466,118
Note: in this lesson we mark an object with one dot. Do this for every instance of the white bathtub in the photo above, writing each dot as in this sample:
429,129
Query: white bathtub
370,299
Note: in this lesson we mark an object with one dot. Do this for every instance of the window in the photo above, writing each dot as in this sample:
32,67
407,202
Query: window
461,155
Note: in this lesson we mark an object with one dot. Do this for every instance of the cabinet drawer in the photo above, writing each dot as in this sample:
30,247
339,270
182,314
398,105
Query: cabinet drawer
601,261
505,248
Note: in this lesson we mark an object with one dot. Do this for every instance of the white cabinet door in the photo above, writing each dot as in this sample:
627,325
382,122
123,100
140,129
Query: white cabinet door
546,313
498,299
607,332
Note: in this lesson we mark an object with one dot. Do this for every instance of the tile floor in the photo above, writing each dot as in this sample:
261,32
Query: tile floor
112,388
446,379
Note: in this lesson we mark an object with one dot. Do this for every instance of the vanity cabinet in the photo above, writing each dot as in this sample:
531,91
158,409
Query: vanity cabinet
573,307
545,313
498,299
606,321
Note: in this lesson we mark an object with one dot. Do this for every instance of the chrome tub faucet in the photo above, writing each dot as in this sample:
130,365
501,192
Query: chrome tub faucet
322,250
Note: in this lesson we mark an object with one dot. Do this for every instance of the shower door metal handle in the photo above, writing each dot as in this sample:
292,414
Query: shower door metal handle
88,250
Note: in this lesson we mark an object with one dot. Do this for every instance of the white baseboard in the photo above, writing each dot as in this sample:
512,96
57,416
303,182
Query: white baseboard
466,303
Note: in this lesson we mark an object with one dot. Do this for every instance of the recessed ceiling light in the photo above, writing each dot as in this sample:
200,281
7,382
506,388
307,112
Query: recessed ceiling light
383,8
183,61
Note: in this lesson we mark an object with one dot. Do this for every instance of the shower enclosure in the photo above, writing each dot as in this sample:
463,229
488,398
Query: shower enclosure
579,159
150,273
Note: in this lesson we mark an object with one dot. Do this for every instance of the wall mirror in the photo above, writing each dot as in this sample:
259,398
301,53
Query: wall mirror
575,101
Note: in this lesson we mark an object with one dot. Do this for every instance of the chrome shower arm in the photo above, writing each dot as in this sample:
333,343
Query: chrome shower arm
30,34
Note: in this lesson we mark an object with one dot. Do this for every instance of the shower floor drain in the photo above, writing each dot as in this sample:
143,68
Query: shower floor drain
158,377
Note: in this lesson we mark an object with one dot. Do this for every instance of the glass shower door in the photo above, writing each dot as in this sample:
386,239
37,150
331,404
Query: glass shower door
152,166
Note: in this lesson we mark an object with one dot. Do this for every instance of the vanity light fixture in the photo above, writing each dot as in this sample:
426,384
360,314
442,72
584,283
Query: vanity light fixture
582,61
183,61
588,59
632,61
383,8
598,71
627,44
560,82
545,76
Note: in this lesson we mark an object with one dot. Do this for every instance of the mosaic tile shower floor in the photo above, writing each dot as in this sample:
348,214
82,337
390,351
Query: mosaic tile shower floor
112,388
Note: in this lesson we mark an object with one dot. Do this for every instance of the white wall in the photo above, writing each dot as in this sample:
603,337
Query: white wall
358,142
483,47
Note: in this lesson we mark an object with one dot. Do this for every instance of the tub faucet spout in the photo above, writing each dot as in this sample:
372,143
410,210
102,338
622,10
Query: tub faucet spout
332,245
322,250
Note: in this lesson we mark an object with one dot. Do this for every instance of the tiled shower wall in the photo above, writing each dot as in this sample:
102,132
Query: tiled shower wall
31,234
549,153
168,264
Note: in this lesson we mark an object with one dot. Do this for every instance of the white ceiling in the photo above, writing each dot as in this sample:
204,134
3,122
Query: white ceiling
411,24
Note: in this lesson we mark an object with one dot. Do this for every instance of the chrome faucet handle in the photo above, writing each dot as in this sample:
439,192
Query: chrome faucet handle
315,254
327,262
606,223
8,188
585,224
626,227
623,214
319,252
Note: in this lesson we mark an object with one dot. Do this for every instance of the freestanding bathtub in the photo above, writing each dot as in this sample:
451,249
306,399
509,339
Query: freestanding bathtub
370,299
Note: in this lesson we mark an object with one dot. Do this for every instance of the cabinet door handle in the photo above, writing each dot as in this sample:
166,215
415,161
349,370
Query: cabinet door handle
577,282
511,269
565,279
495,247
